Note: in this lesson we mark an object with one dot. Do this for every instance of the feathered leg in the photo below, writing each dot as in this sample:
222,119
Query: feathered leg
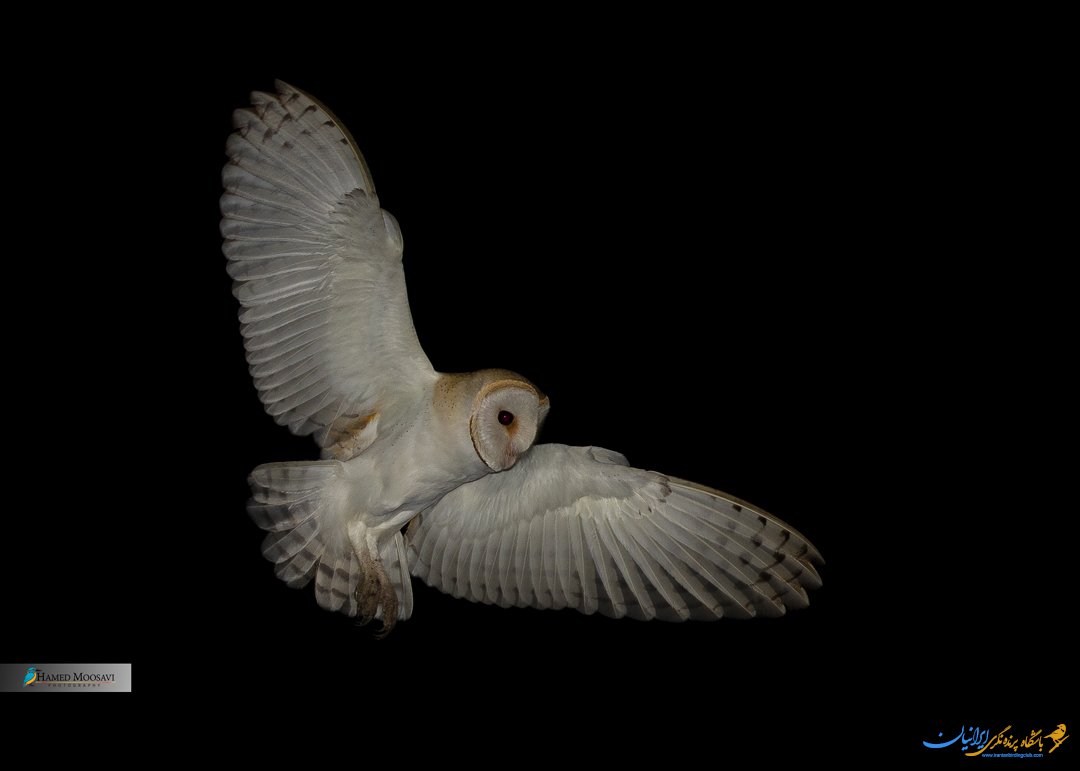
375,590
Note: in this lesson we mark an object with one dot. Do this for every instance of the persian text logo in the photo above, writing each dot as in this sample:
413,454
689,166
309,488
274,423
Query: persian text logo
981,741
31,676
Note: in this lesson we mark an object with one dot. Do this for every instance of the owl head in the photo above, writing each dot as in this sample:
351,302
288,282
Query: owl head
506,414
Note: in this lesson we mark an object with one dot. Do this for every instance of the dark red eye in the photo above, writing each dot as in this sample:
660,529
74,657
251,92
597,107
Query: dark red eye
506,418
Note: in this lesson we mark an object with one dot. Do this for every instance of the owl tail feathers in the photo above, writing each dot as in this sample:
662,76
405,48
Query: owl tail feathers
304,506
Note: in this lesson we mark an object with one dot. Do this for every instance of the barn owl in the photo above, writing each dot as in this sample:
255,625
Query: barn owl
437,475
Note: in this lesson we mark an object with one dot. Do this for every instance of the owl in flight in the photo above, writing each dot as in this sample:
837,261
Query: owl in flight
431,474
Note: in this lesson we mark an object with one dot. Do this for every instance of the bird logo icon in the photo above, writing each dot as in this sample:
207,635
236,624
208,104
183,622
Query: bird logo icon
31,676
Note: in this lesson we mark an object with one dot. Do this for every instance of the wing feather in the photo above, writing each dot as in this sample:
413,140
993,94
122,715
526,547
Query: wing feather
521,565
608,572
536,573
653,541
461,568
734,558
476,569
490,568
422,542
559,566
627,572
439,549
330,588
317,269
703,557
586,571
505,588
577,527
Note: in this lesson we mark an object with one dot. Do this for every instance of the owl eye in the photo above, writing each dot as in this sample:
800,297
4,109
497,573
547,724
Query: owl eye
506,418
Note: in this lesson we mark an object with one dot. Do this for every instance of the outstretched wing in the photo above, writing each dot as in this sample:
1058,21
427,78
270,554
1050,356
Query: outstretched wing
576,527
317,269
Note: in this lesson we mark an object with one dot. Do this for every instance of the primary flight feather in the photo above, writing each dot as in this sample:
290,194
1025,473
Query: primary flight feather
333,353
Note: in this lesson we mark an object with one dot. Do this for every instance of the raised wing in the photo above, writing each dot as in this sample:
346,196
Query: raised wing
317,269
576,527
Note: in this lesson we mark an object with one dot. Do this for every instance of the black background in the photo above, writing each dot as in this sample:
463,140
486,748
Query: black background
739,266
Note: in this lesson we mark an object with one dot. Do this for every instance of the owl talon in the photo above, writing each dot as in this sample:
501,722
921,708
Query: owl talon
373,591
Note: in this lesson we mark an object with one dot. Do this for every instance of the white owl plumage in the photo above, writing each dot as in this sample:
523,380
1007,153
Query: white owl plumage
490,517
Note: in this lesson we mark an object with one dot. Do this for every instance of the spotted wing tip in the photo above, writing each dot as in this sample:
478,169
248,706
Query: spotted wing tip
284,88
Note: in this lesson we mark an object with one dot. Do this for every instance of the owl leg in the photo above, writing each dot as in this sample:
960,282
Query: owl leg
375,590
